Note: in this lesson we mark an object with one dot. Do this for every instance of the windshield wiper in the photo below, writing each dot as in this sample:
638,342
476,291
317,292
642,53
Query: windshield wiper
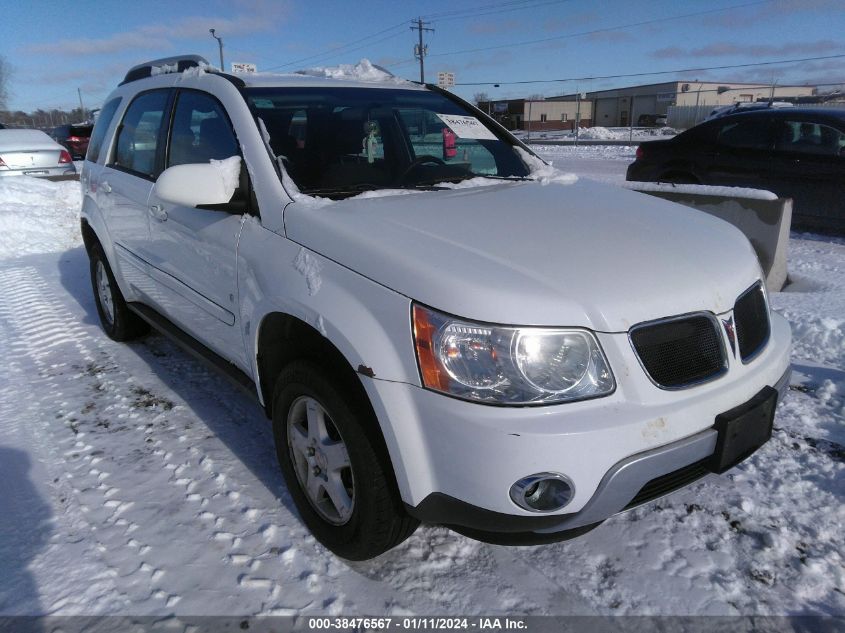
350,190
502,177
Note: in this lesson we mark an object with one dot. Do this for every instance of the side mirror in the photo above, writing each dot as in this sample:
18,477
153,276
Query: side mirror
199,184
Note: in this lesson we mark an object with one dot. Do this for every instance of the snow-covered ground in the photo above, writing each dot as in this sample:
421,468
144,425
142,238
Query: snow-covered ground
136,482
599,133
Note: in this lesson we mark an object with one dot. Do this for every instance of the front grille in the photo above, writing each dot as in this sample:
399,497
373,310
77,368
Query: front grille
680,352
663,485
751,315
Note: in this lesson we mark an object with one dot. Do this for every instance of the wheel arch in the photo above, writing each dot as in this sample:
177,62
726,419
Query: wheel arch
89,236
283,338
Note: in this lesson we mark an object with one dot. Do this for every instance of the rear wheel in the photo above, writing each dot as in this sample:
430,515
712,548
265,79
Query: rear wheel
339,482
118,321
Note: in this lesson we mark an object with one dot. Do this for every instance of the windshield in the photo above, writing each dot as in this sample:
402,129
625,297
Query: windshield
340,141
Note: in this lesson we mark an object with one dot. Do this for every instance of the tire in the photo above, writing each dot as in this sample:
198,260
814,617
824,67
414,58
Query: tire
322,444
117,320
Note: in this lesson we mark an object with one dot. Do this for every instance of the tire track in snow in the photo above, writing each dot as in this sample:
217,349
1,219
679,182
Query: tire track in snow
243,535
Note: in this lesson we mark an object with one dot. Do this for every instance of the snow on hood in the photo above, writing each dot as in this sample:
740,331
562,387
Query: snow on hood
519,252
364,70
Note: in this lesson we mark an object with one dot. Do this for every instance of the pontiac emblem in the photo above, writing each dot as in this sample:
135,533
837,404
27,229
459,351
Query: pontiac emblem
729,329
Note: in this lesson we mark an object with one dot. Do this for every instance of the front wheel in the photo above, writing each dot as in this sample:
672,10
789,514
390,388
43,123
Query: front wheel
118,321
332,468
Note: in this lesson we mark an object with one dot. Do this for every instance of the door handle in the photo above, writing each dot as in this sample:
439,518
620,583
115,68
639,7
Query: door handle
105,187
158,212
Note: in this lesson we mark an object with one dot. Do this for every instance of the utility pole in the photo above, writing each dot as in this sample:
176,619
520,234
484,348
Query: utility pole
421,50
81,107
220,46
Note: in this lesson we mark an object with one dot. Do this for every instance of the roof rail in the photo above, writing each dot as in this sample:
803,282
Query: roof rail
177,63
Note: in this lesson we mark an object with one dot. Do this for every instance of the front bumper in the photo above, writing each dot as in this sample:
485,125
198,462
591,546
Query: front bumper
455,461
631,482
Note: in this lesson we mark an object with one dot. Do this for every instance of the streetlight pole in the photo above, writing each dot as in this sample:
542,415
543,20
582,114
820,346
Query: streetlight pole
220,45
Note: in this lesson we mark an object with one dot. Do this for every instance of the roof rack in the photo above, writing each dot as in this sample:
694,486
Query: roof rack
178,63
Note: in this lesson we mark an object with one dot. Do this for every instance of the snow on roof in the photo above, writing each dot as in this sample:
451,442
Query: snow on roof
364,70
360,74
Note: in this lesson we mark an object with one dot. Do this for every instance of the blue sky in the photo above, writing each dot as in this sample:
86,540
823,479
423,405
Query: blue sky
55,47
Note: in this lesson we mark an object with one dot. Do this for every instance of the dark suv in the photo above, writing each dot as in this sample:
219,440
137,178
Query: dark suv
796,153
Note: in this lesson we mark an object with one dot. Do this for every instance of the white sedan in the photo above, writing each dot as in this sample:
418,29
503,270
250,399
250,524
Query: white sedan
32,153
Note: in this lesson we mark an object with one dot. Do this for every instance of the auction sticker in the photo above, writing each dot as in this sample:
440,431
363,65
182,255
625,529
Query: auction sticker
467,126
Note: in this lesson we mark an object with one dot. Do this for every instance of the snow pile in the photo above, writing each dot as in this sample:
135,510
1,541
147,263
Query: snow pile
545,173
230,173
702,190
600,134
38,216
362,71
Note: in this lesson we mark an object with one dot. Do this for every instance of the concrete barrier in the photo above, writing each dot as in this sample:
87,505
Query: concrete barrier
760,215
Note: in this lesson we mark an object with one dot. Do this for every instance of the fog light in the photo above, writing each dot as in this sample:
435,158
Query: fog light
543,492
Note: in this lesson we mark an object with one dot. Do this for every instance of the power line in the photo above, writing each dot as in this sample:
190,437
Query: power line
471,10
603,30
344,46
459,14
656,72
463,14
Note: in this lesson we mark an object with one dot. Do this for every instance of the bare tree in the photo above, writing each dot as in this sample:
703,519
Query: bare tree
480,97
4,82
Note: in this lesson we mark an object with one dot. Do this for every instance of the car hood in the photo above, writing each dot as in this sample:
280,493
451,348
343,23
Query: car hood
585,254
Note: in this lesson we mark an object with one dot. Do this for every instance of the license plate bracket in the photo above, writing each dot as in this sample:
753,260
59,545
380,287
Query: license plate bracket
743,430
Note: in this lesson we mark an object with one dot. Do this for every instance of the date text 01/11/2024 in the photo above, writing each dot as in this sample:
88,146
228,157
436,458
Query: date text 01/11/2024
416,623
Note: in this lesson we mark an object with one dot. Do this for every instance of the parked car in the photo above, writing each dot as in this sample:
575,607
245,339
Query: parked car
796,153
651,120
32,153
73,137
514,359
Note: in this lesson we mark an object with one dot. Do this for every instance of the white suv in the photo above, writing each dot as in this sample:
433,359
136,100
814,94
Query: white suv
439,330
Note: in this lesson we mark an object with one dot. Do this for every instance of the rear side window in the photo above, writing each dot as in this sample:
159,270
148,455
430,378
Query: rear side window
139,132
201,130
806,137
100,128
748,133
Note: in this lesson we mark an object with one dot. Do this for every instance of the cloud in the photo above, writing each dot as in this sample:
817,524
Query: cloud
583,18
490,27
610,36
497,58
772,10
731,49
165,36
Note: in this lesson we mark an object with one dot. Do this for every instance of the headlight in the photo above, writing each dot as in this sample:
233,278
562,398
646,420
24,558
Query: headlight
508,365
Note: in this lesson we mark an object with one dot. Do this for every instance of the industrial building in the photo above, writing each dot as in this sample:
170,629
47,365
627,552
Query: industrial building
524,114
621,106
